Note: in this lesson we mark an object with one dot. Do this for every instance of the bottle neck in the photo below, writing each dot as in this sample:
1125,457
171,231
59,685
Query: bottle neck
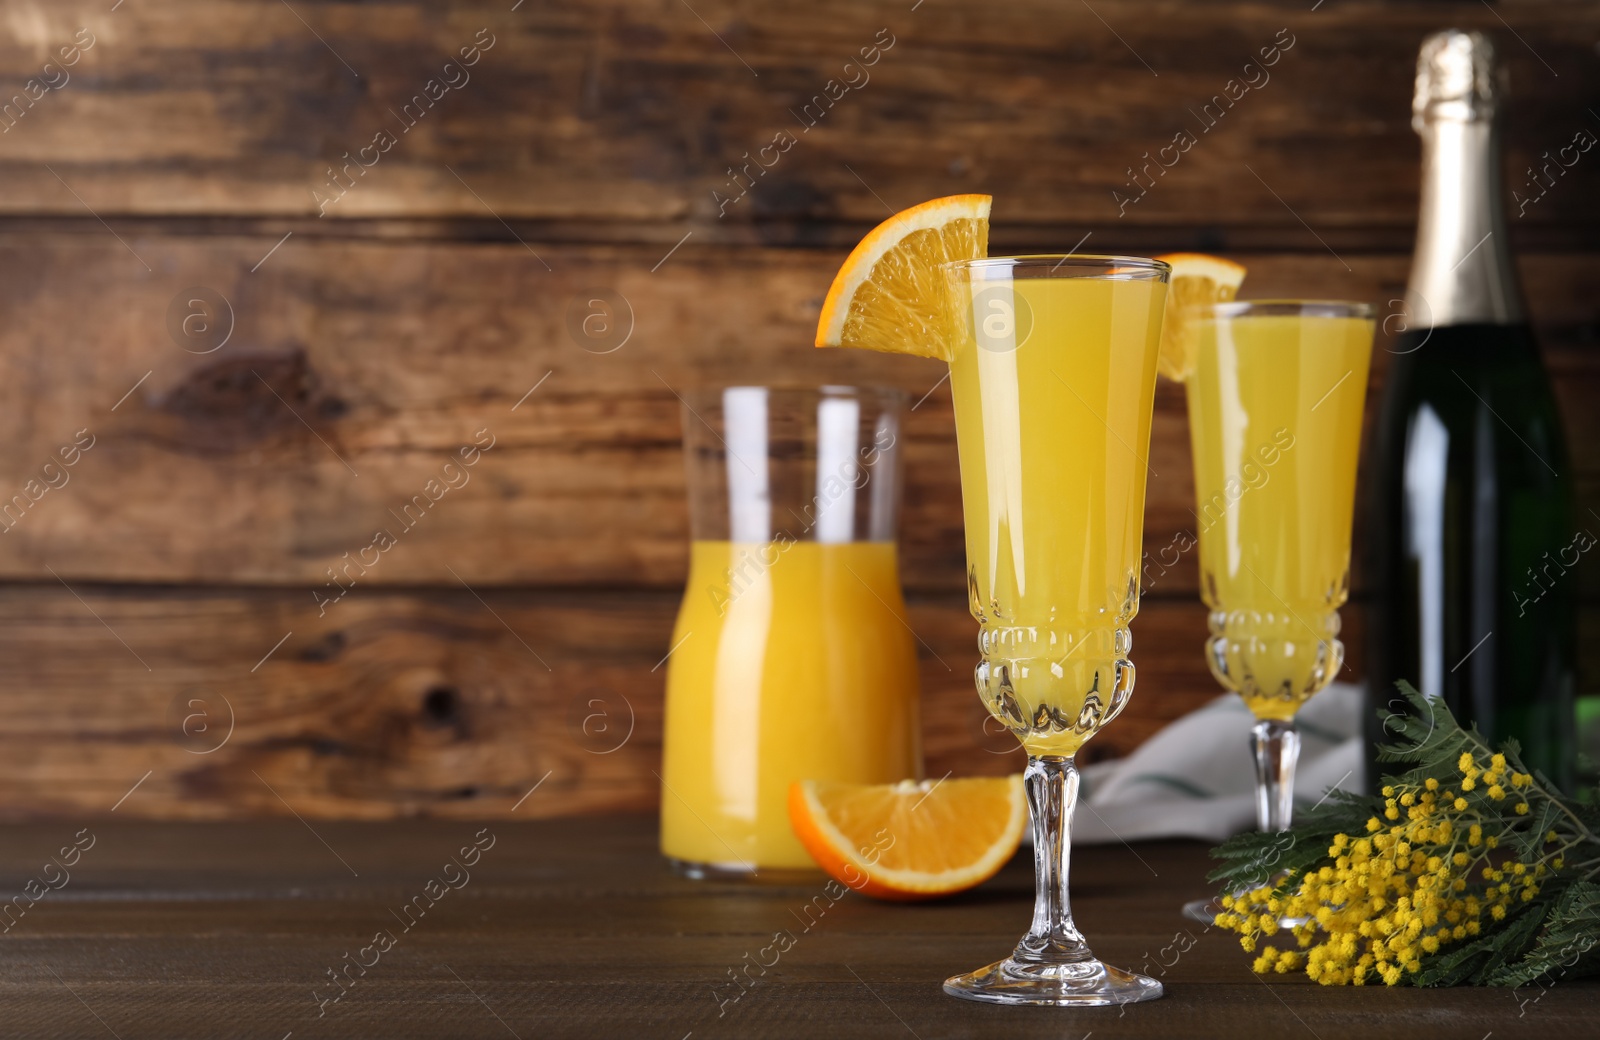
1461,273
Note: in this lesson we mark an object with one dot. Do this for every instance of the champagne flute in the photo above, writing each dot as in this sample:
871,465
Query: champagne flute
1275,405
1053,377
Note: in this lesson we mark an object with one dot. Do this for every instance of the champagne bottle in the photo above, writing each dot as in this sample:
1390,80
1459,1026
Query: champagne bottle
1472,532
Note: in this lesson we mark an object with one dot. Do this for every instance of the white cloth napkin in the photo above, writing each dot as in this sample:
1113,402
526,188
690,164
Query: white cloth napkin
1196,777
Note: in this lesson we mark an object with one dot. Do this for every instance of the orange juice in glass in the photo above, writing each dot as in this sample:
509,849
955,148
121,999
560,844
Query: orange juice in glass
792,656
1053,375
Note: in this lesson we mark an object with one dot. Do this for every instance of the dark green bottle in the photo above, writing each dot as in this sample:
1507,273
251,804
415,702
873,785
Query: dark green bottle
1474,547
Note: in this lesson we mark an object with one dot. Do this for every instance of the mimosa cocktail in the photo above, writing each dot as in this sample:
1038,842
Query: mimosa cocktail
1275,403
1053,375
1053,468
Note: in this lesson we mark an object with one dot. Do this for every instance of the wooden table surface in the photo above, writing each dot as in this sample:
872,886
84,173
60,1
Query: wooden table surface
575,928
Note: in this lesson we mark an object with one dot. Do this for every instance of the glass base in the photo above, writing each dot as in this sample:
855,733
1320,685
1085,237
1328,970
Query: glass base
711,871
1203,910
1086,983
1206,910
741,872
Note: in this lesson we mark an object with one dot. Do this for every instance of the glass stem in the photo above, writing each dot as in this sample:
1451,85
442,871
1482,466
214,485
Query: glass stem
1052,784
1276,746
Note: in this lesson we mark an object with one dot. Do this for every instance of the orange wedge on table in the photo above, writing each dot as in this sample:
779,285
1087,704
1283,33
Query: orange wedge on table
910,840
890,295
1197,280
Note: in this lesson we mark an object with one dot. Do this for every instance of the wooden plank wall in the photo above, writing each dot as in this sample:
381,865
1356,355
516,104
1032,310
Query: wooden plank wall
385,314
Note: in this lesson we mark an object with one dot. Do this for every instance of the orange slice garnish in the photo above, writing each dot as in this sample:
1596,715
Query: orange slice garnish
891,295
1197,280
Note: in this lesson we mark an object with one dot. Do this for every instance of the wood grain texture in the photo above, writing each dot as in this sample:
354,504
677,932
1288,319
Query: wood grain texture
355,371
225,930
428,702
635,111
381,319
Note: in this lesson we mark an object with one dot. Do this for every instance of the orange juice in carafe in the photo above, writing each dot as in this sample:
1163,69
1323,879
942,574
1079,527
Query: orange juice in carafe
800,668
792,657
